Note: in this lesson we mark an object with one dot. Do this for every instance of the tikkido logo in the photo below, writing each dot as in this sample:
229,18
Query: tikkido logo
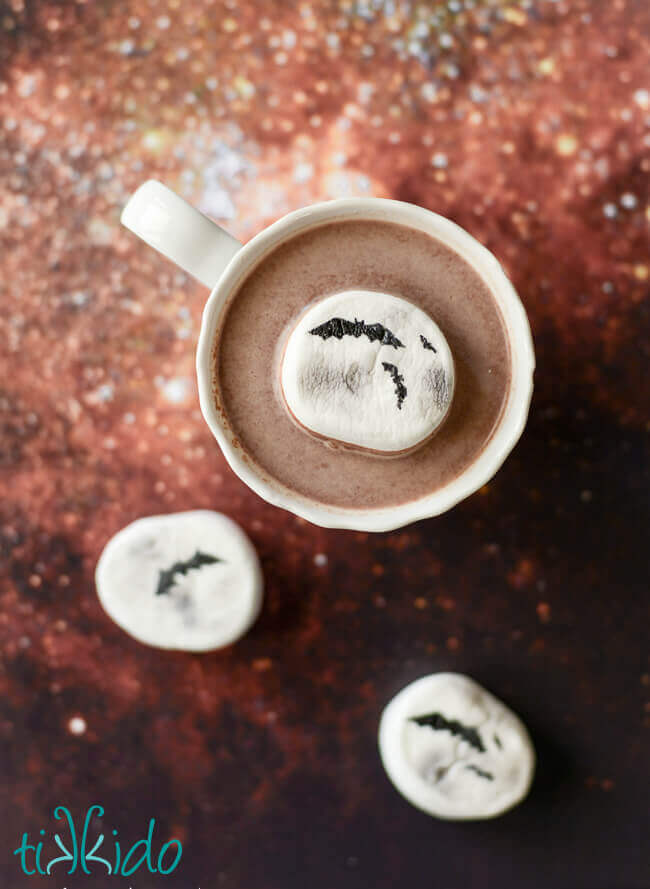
36,858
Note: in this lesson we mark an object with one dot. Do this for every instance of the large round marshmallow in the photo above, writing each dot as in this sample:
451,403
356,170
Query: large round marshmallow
189,581
368,369
454,750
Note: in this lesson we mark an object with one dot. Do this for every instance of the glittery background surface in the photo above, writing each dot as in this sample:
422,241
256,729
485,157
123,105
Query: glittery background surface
528,122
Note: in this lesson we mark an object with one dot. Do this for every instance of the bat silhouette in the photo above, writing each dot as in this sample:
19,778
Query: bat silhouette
398,379
339,327
166,579
438,722
472,768
426,344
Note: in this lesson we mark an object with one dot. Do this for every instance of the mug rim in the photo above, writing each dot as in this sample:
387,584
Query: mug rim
522,364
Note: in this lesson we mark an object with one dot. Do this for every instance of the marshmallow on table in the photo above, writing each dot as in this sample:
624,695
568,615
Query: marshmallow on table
188,581
368,369
454,750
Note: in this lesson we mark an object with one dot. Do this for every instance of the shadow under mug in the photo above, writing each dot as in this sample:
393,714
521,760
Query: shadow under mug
177,230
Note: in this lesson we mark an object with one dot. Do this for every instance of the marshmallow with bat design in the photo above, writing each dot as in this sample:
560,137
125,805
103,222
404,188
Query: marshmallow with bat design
188,581
454,750
368,370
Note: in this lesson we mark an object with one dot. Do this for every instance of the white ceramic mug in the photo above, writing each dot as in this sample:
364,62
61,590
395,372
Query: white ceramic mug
178,231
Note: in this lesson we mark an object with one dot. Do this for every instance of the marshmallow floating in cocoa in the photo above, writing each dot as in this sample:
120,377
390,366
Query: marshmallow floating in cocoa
368,369
188,581
454,750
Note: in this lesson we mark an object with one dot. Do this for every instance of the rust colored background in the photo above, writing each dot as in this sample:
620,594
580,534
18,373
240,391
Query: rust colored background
528,122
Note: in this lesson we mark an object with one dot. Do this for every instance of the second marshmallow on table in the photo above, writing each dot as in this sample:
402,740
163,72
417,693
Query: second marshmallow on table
189,581
368,369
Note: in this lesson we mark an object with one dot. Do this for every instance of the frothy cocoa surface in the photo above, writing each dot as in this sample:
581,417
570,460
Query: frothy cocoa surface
376,256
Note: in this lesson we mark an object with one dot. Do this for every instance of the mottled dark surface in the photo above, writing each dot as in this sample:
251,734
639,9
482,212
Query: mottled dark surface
528,123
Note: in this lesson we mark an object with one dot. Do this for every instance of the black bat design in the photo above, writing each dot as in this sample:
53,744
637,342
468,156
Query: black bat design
427,345
438,722
398,379
480,772
167,578
339,327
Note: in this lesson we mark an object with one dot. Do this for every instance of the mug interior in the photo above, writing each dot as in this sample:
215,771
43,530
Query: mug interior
514,413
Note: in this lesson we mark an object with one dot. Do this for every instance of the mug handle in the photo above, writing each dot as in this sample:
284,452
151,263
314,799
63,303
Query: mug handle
170,225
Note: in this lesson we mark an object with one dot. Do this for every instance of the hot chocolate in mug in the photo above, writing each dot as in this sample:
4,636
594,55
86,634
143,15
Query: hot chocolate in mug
363,363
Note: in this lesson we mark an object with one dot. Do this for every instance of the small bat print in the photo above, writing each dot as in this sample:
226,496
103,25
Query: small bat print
340,327
480,772
438,722
167,578
398,379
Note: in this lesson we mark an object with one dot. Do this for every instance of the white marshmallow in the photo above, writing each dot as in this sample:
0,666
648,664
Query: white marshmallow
188,581
369,370
454,750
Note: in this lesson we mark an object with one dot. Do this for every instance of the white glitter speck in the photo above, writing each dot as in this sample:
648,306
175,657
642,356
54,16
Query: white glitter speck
126,47
105,392
601,167
365,92
27,86
439,160
303,172
100,232
642,98
320,559
610,211
176,390
428,91
289,39
163,22
628,201
105,171
77,725
477,93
